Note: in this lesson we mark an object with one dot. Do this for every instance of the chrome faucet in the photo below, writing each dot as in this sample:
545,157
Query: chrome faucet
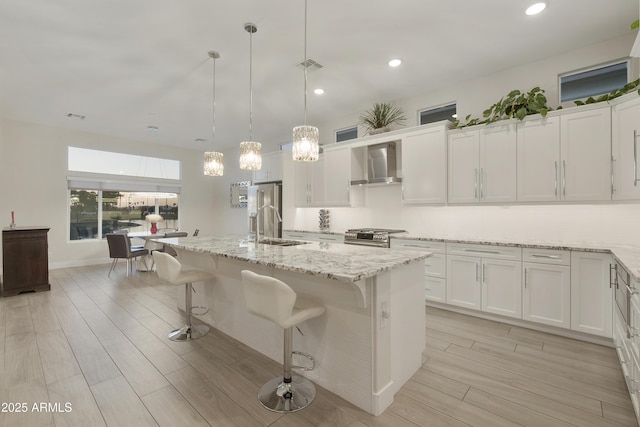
256,215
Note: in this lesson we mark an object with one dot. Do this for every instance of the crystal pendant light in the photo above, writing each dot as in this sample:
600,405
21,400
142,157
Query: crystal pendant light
213,165
250,151
306,145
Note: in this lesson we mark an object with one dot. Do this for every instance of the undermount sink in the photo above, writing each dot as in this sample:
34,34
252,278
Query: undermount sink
278,242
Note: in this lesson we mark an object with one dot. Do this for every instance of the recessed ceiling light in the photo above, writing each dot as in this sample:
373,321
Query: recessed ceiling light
152,128
536,8
395,62
318,91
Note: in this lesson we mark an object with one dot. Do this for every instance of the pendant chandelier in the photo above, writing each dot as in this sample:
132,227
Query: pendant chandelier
213,165
306,145
250,151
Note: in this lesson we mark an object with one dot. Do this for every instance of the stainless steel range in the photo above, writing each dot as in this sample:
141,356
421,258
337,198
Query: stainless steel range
378,237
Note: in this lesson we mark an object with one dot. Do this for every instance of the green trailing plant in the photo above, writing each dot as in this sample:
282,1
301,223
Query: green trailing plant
629,87
382,115
515,105
635,24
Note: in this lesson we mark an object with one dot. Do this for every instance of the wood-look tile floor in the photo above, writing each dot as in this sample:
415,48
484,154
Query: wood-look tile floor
95,350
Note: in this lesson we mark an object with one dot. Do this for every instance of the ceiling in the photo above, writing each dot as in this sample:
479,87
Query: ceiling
127,65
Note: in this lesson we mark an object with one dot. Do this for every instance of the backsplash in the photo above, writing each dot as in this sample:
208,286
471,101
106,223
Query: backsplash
592,223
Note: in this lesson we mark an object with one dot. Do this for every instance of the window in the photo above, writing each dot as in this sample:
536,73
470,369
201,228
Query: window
347,134
106,162
592,82
100,203
94,213
437,114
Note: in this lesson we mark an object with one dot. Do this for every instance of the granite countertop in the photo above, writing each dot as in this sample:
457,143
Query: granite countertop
627,255
346,263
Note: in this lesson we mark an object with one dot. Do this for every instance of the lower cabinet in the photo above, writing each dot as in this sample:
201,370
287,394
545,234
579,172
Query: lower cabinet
435,267
546,297
313,237
591,293
485,277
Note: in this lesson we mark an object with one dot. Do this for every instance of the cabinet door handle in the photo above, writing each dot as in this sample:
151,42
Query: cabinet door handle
484,268
477,276
525,278
482,251
635,158
348,190
481,183
613,186
556,179
545,256
475,184
564,178
611,280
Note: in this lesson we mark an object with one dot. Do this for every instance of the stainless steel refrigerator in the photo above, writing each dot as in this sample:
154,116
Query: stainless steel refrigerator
263,196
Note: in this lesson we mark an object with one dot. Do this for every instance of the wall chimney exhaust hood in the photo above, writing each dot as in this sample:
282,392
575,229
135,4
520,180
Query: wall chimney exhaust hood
381,165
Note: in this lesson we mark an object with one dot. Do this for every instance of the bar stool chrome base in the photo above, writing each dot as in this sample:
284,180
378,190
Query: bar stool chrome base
188,333
278,396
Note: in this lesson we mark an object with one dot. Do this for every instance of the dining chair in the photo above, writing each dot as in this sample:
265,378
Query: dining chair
120,248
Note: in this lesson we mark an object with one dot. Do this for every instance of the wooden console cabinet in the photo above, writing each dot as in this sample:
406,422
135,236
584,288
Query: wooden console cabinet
25,260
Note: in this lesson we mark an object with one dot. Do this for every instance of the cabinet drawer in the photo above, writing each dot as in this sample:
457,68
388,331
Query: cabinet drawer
296,235
485,251
420,245
331,238
546,256
436,265
435,289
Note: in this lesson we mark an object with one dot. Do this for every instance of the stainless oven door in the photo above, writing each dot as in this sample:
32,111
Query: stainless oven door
623,293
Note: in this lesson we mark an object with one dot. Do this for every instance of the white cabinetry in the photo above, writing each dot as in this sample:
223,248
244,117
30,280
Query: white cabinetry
546,297
309,185
585,152
485,277
271,168
313,237
591,293
337,174
435,267
482,165
625,150
424,167
538,160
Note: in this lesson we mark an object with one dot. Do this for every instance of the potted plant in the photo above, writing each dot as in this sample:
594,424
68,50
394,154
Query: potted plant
381,117
515,104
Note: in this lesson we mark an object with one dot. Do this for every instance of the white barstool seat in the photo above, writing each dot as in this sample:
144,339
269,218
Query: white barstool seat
274,300
170,270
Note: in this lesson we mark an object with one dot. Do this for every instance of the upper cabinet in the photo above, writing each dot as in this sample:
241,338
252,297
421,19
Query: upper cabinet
337,164
309,185
424,167
625,156
538,160
271,168
566,157
482,165
585,153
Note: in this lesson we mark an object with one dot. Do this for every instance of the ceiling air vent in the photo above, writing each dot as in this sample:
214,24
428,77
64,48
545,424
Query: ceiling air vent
310,65
76,116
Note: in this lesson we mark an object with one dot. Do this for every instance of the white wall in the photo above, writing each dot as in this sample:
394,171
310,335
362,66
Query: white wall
33,183
475,96
599,223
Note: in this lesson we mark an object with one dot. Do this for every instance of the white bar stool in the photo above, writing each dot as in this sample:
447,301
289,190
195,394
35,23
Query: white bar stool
274,300
170,270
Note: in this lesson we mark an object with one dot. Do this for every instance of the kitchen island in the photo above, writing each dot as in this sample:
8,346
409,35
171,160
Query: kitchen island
371,338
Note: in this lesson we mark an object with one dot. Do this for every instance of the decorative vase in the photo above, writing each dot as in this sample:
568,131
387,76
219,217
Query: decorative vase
379,130
154,228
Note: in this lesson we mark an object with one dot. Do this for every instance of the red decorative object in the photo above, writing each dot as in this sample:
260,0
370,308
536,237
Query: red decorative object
154,228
